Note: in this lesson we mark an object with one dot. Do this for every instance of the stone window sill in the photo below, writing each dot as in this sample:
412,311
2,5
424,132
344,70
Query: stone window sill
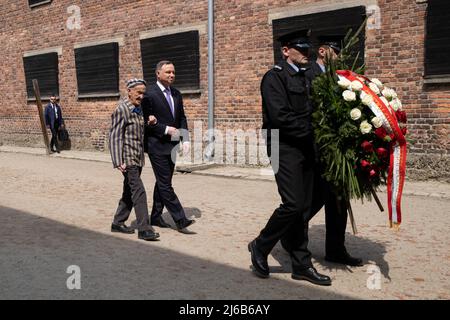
99,95
191,91
445,78
40,3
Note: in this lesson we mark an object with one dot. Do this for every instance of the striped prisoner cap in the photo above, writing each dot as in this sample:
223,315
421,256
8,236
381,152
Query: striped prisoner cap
134,82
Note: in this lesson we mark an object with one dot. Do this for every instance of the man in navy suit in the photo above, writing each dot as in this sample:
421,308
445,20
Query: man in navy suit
53,120
162,142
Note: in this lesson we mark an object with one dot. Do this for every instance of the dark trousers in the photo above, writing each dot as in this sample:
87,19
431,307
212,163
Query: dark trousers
295,178
335,224
54,140
335,220
133,195
163,193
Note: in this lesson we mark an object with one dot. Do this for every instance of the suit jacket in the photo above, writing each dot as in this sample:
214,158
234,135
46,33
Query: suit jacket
50,116
126,137
155,103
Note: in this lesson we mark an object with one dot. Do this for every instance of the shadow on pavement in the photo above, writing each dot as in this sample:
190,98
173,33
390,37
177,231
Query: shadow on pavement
191,213
368,250
36,253
195,213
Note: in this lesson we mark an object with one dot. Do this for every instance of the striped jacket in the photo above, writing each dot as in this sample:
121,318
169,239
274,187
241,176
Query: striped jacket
126,137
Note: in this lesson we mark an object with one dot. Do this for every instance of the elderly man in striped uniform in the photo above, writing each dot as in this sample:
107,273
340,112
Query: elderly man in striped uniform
126,144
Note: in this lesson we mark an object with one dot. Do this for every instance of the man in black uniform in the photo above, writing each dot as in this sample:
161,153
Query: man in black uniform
329,48
287,111
335,208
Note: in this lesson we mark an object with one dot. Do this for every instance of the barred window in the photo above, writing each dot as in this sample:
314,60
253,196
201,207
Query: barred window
180,48
98,70
437,39
44,68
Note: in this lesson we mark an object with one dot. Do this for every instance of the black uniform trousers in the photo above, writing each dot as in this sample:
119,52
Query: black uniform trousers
54,140
295,178
163,193
335,220
133,195
335,224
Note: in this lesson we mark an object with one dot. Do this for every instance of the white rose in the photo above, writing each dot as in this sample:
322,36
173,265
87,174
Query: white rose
387,93
366,99
378,83
344,83
355,114
385,101
356,85
393,94
396,104
365,127
349,95
374,88
377,122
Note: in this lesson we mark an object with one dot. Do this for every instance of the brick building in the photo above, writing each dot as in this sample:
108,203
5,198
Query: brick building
68,44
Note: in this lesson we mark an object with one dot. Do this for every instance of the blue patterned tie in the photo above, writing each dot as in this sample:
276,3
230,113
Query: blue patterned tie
169,101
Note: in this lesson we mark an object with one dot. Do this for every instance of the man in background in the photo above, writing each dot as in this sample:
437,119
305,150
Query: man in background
54,121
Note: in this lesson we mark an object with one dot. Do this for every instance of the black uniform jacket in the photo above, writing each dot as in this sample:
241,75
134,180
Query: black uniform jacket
314,71
287,106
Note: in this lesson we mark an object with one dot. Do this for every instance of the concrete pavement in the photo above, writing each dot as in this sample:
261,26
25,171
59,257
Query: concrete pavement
56,213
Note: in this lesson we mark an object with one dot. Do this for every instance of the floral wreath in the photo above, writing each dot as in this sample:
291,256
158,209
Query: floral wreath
360,127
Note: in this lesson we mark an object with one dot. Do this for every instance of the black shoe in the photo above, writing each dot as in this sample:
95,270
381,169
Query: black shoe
57,150
184,223
121,228
344,258
159,222
259,261
310,274
148,235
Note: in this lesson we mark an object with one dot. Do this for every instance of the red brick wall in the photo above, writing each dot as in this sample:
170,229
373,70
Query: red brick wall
394,54
24,29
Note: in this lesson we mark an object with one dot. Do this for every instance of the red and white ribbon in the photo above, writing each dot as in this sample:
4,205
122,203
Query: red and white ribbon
397,167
